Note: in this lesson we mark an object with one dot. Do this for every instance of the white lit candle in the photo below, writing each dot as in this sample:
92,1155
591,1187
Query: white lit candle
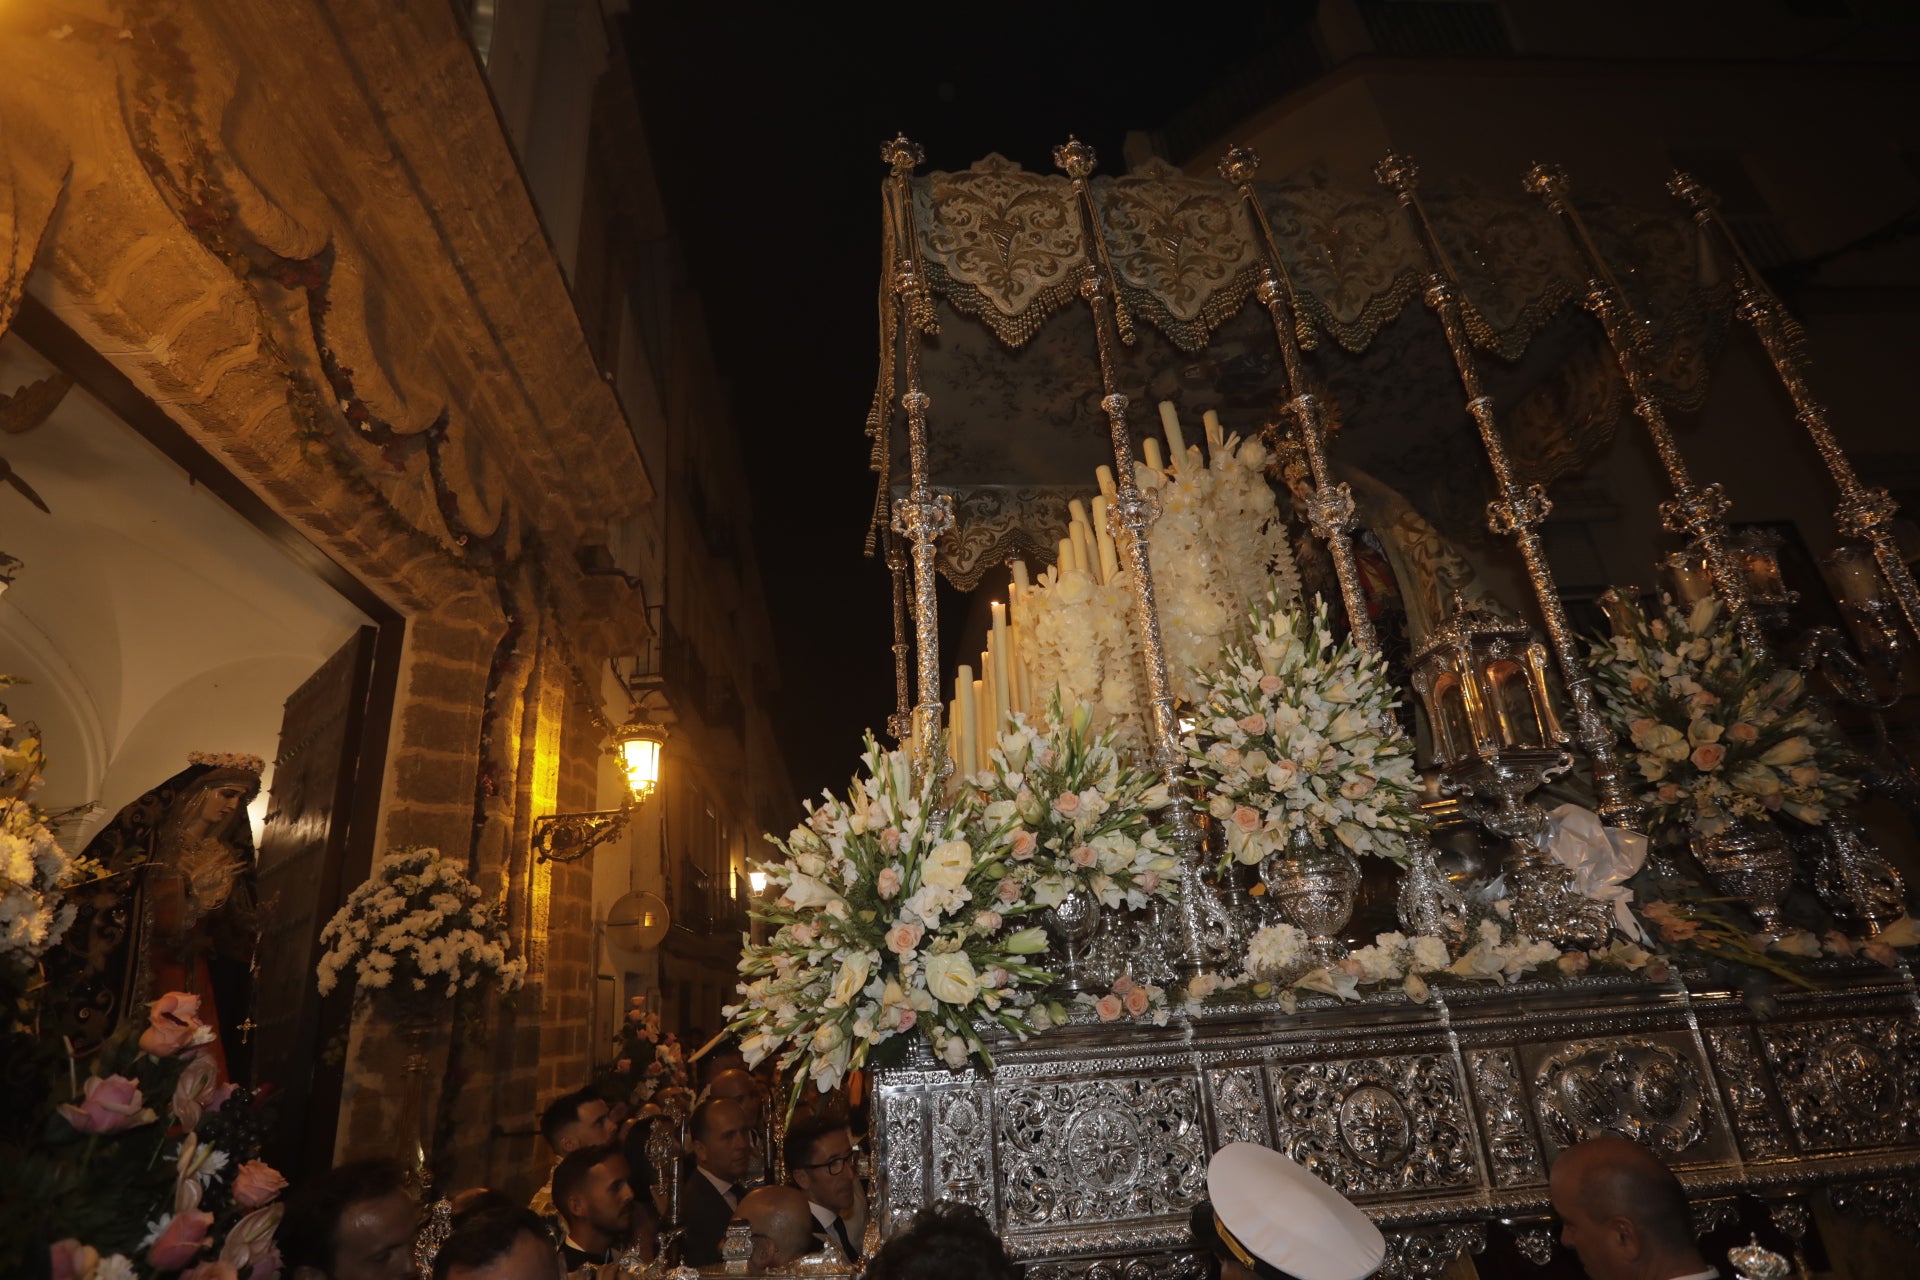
1065,558
1176,442
999,645
980,713
1216,434
965,700
1104,476
1109,554
1151,447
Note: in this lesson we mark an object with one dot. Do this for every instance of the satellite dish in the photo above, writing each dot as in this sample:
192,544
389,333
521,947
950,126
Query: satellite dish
637,923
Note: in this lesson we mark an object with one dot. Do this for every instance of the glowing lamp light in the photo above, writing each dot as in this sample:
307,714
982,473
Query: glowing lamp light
757,881
638,746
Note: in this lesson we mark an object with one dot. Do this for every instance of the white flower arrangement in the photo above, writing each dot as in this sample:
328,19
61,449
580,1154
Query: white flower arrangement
1081,647
894,917
36,874
1068,812
1218,547
1715,732
1298,732
416,928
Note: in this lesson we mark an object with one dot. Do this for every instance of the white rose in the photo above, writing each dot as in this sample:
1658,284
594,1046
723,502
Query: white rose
947,866
852,977
951,979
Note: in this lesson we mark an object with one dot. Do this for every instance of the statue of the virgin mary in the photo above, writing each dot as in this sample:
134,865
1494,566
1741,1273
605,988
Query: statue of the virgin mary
175,912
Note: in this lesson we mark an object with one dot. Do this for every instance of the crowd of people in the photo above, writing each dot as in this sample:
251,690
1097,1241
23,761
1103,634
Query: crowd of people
602,1209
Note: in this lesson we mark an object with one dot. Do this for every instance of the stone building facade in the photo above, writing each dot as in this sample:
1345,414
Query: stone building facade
301,234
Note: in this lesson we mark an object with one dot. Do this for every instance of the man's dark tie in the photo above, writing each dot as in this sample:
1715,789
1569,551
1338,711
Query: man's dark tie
735,1194
846,1242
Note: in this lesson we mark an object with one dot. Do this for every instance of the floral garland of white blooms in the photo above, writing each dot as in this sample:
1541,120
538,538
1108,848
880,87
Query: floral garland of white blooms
1490,951
416,928
36,874
1298,732
1218,546
893,916
1068,812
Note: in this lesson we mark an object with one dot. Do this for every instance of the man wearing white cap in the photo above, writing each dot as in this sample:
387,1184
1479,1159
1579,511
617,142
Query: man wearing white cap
1266,1218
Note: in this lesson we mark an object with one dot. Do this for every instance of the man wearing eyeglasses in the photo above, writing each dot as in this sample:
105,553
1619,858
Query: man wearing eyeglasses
820,1161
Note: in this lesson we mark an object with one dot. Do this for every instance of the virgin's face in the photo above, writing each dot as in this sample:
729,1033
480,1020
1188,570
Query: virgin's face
218,805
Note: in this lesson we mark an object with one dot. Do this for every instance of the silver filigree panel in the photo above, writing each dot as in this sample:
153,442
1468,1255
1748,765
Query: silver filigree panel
1376,1126
1239,1106
1512,1148
962,1148
1426,1253
1100,1151
1650,1091
905,1155
1847,1083
1151,1266
1737,1063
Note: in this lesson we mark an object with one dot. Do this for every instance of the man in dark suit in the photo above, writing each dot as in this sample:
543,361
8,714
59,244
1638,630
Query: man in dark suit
720,1135
820,1160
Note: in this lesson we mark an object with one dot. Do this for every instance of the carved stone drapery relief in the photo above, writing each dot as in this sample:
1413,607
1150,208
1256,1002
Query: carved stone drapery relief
1100,1151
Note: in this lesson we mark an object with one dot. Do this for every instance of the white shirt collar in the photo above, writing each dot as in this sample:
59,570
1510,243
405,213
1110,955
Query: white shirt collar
1711,1273
721,1185
826,1218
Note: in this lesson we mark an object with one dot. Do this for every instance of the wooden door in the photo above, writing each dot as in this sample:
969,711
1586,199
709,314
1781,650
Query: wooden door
303,852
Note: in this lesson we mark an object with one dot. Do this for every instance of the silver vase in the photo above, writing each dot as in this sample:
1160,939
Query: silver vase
1073,924
1749,861
1313,886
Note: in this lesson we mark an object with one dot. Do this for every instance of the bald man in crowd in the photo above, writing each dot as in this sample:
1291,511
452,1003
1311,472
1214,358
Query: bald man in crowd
1624,1213
782,1227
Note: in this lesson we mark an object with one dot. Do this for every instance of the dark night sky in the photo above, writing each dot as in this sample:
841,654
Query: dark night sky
766,122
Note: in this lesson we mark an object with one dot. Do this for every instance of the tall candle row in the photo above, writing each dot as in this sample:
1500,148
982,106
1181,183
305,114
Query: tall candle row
1004,681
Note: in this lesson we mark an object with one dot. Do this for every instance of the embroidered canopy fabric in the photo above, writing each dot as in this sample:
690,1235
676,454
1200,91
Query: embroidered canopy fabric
1016,426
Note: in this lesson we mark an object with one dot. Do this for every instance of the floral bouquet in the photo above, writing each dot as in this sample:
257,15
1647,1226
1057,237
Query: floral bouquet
150,1167
1716,732
1067,813
893,916
1217,548
416,930
647,1059
35,872
1297,733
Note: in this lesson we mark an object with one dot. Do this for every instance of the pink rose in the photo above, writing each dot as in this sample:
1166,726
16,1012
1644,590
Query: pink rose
211,1271
1655,972
996,977
1009,891
1247,819
266,1268
1255,723
1138,1001
1741,731
184,1236
1668,793
72,1260
1803,775
107,1106
174,1026
987,922
1067,803
1023,846
1573,962
903,938
887,883
1704,699
623,1067
1357,788
1879,952
907,1018
1708,755
1083,856
1123,984
1639,684
257,1183
1269,685
802,934
251,1238
1149,881
890,840
195,1089
1109,1007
